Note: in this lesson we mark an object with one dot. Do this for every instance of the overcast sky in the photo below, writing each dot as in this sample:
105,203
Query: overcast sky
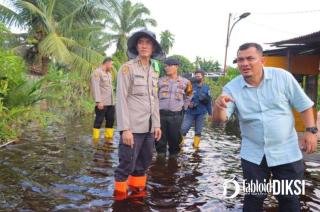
200,26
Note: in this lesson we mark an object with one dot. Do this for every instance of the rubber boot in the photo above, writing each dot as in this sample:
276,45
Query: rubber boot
95,136
196,141
120,190
108,134
137,186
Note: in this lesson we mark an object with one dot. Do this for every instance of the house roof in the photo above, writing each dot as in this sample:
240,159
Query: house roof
303,45
305,39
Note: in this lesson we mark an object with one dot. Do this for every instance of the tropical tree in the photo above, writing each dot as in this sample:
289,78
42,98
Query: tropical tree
55,29
185,65
123,17
207,64
166,40
19,93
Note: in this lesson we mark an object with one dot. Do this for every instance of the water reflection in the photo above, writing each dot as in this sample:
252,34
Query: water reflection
61,170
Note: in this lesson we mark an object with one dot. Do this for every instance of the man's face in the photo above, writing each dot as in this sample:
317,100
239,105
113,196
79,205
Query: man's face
199,77
145,47
171,69
250,62
107,65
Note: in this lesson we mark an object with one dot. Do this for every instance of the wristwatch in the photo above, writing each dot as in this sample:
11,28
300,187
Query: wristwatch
313,130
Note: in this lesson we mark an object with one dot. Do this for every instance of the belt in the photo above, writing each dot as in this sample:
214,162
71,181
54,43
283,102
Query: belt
170,113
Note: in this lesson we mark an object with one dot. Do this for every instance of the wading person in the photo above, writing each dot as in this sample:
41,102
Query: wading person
263,97
102,91
199,106
137,112
175,93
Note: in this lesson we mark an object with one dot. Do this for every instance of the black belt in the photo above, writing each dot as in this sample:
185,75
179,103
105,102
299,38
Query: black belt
170,113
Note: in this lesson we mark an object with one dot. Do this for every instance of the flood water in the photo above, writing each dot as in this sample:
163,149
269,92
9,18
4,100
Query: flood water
60,170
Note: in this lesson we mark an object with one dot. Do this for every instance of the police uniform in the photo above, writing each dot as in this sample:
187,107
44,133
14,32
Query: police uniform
137,110
174,98
102,91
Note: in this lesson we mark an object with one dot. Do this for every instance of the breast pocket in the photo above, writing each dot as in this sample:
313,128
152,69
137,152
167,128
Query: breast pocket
179,94
139,86
106,82
276,102
164,92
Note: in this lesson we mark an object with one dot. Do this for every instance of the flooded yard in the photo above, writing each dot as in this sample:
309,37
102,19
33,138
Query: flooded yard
61,170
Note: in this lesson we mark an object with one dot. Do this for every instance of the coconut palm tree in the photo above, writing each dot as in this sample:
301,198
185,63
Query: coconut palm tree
123,17
55,29
166,41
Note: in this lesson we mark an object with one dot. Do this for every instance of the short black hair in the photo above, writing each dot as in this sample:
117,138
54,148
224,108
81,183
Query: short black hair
107,59
202,72
245,46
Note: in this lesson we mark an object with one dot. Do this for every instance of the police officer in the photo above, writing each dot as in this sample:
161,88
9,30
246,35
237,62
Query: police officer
102,91
199,106
137,110
175,93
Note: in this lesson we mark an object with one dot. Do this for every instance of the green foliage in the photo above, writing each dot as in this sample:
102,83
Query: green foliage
72,96
185,65
56,30
207,65
118,58
123,17
19,95
166,40
217,85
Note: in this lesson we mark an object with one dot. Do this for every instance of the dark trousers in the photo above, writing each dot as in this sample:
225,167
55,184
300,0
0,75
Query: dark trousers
171,133
189,119
107,113
290,171
135,161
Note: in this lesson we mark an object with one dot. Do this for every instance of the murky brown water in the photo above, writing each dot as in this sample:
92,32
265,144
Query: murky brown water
59,170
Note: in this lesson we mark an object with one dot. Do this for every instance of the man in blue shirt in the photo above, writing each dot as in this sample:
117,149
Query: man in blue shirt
263,98
199,106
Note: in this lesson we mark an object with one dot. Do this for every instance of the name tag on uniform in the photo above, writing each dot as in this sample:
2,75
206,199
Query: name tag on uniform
139,76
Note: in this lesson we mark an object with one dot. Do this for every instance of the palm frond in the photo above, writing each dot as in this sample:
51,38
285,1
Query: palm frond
10,17
83,32
81,15
33,9
82,65
50,7
54,46
86,53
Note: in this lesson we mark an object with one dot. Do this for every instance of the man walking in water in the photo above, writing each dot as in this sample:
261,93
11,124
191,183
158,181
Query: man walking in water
137,112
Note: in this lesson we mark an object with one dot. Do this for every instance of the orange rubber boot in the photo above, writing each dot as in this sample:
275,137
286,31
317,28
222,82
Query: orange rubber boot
137,186
120,190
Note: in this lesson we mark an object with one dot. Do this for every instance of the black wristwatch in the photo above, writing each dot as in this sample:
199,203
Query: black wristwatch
313,130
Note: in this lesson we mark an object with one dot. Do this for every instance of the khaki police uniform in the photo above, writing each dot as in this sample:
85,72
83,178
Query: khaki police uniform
102,92
174,97
137,110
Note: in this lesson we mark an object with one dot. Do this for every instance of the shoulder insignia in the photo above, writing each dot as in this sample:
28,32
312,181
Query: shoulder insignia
96,75
189,89
125,69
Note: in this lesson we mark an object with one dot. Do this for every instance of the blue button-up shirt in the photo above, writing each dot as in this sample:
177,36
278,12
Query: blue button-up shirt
265,116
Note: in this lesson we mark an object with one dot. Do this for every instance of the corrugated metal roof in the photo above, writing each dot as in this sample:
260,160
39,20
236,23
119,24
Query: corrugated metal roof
303,45
305,39
295,50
